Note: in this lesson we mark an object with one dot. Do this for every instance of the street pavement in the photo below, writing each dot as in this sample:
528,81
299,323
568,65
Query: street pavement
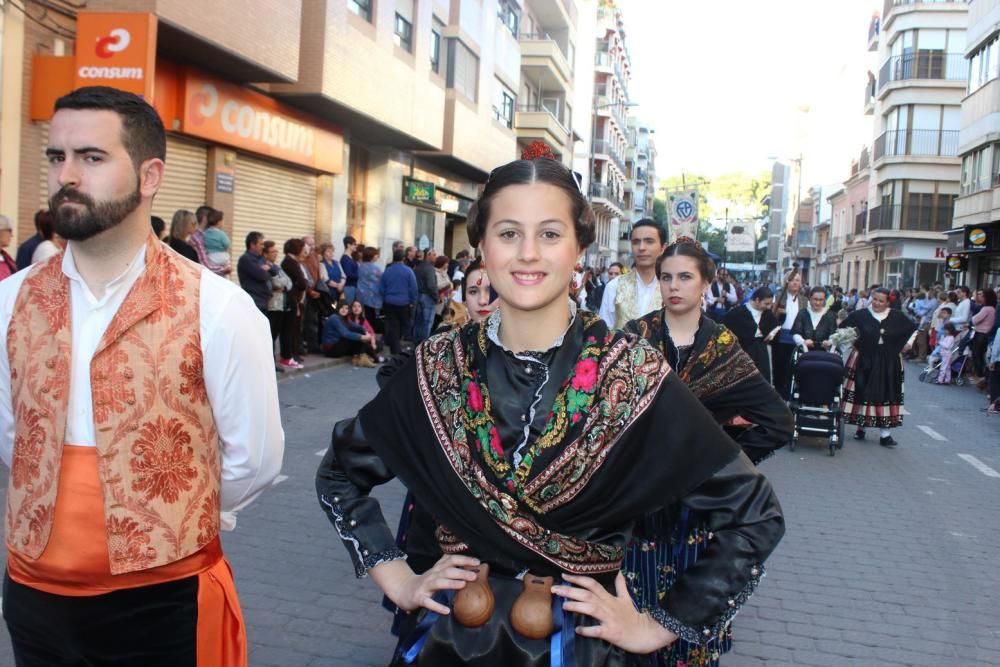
889,556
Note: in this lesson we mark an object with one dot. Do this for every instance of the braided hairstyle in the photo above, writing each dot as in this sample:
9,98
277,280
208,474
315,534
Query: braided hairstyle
685,246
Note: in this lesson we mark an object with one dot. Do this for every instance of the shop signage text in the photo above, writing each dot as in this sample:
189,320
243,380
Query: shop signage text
228,114
116,49
419,193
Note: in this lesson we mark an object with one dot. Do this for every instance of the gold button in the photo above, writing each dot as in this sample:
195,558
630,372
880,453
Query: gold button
130,401
128,374
50,363
30,488
45,390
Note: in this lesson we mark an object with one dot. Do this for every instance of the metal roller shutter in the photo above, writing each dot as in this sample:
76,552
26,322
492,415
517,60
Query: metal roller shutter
278,201
183,180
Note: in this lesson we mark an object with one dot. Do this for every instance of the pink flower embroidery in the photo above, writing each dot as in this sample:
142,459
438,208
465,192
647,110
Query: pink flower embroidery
585,375
475,397
495,441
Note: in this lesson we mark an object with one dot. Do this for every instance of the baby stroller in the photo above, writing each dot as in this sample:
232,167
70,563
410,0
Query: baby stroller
817,387
930,373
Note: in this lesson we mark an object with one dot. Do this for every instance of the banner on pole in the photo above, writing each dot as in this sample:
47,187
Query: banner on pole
740,236
683,215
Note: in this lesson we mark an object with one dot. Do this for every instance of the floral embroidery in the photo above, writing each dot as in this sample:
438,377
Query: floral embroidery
571,403
128,543
626,379
192,376
163,460
110,395
208,518
29,439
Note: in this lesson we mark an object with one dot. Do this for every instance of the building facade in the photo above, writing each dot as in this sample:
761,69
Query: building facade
376,119
914,179
974,240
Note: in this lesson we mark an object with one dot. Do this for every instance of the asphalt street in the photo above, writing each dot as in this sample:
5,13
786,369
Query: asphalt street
889,557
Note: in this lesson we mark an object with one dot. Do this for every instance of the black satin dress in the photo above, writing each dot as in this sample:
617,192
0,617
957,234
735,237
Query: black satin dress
600,470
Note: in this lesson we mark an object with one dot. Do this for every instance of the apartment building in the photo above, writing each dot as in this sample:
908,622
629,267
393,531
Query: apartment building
915,169
974,240
849,213
379,119
604,163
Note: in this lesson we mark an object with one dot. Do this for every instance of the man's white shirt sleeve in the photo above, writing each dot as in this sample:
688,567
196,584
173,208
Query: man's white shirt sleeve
8,296
239,378
608,302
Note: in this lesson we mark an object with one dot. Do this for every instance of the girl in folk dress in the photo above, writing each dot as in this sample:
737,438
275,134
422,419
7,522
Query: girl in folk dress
536,439
873,391
756,327
711,363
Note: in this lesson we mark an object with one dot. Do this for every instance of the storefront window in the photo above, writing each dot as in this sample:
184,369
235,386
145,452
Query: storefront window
424,230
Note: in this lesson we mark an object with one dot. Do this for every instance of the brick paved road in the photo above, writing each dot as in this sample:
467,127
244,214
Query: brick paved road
889,558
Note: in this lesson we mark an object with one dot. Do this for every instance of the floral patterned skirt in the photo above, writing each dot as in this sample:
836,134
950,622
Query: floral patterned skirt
652,566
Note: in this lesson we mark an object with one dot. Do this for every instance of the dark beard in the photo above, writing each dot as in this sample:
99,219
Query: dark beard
75,225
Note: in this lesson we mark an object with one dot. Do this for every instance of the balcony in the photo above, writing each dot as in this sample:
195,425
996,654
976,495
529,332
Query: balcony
911,218
870,90
603,147
859,223
555,14
535,122
608,197
873,31
544,63
923,65
605,64
888,14
917,143
640,175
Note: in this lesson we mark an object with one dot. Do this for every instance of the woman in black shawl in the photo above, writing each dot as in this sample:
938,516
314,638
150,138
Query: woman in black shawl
756,327
814,325
711,363
873,391
535,440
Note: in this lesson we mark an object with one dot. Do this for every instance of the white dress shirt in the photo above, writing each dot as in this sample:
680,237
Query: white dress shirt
645,293
239,378
727,292
960,318
791,310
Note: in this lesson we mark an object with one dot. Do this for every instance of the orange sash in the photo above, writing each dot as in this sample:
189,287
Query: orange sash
75,563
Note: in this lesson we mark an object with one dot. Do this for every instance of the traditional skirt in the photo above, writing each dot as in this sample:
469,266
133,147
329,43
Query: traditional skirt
651,568
873,390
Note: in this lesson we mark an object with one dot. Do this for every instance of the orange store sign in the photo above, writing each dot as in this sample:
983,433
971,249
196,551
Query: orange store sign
228,114
116,50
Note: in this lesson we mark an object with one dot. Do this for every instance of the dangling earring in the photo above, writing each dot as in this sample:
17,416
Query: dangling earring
482,272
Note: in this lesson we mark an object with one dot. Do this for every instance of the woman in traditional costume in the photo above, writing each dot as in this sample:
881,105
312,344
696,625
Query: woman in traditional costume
873,390
755,326
535,440
722,376
814,325
789,302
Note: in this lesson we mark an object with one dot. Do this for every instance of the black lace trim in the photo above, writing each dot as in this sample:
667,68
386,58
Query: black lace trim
708,633
364,560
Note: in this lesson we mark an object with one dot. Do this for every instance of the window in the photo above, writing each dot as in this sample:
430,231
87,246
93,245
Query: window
984,65
403,33
503,105
996,165
362,8
463,69
509,14
436,30
976,171
423,231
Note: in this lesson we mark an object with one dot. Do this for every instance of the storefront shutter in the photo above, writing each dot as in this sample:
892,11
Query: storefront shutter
183,180
278,201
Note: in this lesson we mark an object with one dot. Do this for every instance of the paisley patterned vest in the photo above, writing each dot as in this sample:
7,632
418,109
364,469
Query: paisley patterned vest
157,443
627,300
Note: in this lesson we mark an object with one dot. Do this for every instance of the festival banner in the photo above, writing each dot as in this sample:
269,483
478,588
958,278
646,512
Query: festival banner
740,236
683,215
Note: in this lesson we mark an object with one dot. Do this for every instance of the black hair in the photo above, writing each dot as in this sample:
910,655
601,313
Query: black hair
158,225
45,224
706,267
817,289
762,293
990,297
294,247
525,172
621,267
398,255
950,328
649,222
143,135
881,290
476,265
945,309
964,288
252,238
202,212
349,240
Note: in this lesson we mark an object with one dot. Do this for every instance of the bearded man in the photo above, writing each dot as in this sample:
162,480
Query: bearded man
136,416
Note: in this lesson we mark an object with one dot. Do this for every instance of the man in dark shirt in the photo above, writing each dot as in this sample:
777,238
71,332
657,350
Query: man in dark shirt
350,268
399,295
27,249
255,272
428,295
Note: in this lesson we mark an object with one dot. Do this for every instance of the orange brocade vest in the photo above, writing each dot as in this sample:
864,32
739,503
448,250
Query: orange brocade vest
157,443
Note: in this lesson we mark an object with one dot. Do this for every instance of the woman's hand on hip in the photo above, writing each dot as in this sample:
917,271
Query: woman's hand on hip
410,591
621,623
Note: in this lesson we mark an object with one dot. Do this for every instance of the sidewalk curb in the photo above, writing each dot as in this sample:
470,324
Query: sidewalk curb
312,363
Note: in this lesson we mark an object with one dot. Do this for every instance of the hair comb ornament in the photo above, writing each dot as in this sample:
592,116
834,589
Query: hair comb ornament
537,149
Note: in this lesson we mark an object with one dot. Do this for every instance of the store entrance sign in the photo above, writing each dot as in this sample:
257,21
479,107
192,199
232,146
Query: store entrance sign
419,193
117,50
